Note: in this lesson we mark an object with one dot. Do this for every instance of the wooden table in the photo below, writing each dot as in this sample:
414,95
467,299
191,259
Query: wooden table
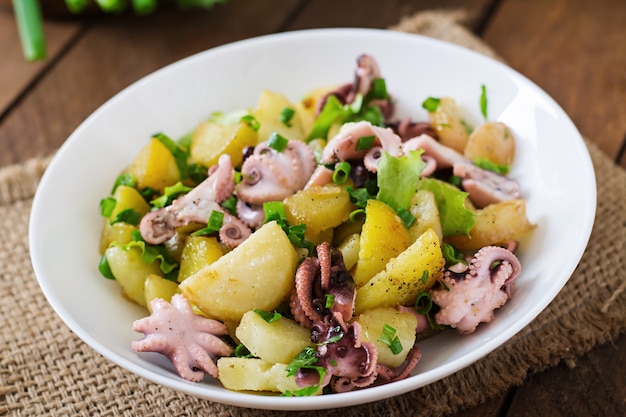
574,49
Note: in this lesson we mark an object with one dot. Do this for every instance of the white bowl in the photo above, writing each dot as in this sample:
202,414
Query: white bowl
552,165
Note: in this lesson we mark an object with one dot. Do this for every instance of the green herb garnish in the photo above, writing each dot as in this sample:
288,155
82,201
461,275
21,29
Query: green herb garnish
129,215
365,143
127,179
286,115
277,142
169,194
107,205
105,268
431,104
485,163
268,316
251,121
452,255
341,172
389,338
483,101
214,224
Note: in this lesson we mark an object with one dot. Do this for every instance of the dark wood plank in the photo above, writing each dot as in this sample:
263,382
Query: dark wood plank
574,49
15,72
106,59
588,390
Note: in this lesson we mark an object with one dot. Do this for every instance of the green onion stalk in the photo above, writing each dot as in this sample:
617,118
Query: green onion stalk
29,19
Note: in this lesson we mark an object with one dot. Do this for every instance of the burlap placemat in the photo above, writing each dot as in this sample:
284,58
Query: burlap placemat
46,370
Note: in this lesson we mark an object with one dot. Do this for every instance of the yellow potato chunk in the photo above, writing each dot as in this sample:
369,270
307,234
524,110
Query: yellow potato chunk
307,107
319,207
493,141
130,271
198,252
277,342
117,232
253,374
449,125
373,322
212,139
256,274
268,113
424,208
383,237
155,167
496,224
155,286
128,198
413,271
349,249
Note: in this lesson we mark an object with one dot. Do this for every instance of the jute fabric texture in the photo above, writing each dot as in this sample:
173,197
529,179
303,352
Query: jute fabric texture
46,370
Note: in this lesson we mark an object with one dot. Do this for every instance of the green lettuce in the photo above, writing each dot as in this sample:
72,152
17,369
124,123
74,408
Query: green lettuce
456,219
398,178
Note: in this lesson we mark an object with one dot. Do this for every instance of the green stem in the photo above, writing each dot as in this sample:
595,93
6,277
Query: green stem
30,27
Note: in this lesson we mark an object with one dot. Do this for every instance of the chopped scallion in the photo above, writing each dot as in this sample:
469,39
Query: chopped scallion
365,143
268,316
389,338
107,205
277,142
251,121
341,172
483,100
431,104
286,115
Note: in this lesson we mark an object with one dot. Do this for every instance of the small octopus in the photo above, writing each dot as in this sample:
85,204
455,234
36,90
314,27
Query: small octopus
272,175
188,340
196,207
470,299
350,362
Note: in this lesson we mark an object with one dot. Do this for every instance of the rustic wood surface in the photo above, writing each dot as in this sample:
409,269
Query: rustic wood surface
574,49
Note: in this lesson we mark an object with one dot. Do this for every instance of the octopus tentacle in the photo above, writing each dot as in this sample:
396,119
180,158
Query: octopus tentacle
270,175
233,231
194,207
252,215
404,370
471,299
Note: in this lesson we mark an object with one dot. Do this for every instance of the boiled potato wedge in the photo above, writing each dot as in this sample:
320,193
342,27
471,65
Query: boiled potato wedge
372,323
413,271
424,208
449,125
319,207
383,237
128,198
349,249
253,374
212,139
198,252
258,274
277,342
268,113
155,286
155,167
307,107
496,224
121,233
493,141
130,271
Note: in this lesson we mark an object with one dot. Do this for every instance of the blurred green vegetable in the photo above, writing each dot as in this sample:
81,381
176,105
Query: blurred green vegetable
30,23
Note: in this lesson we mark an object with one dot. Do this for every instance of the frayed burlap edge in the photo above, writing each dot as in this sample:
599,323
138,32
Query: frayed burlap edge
589,311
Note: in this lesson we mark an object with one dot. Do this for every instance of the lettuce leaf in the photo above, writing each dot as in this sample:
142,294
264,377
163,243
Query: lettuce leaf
398,178
456,219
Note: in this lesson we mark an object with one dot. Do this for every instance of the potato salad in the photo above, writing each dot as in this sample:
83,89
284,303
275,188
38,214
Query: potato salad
307,247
